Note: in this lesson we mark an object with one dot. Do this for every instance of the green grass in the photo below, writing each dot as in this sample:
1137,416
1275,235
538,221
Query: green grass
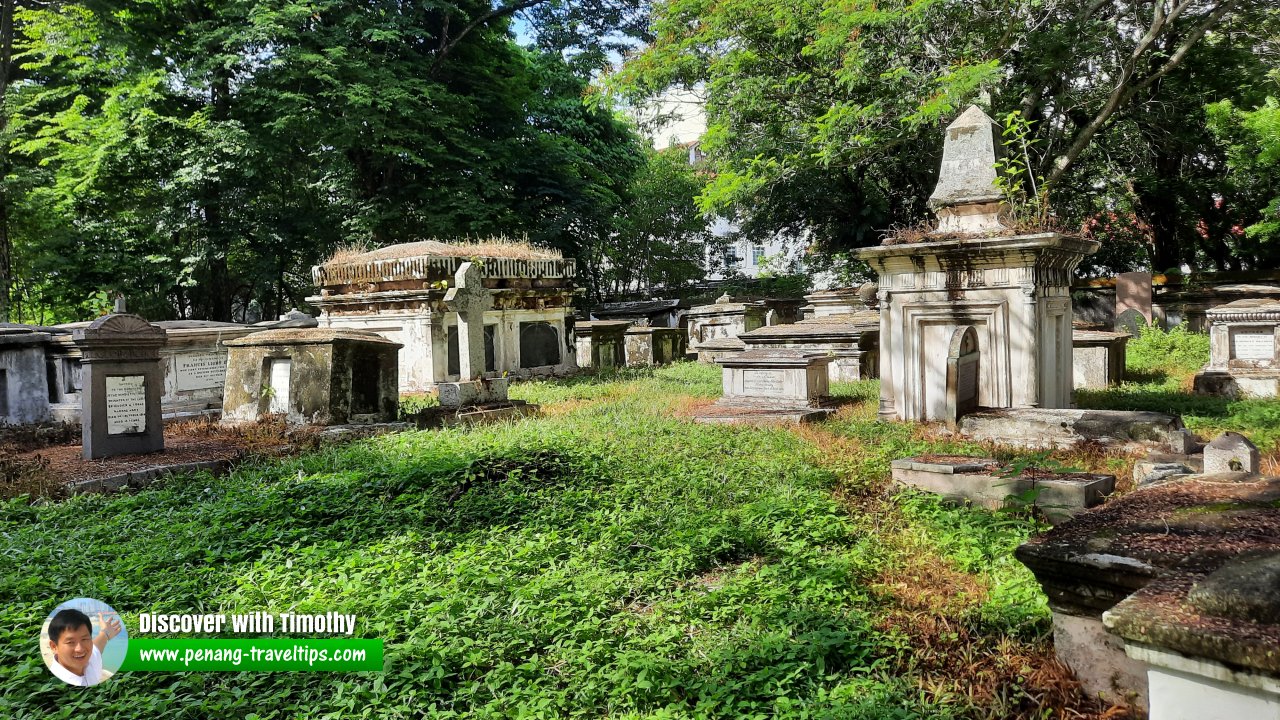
1159,368
610,559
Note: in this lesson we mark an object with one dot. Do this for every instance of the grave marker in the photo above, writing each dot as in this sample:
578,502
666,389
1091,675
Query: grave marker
123,379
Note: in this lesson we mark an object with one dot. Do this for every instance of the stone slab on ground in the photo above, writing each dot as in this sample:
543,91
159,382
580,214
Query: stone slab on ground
442,417
1041,428
473,392
759,414
146,476
979,481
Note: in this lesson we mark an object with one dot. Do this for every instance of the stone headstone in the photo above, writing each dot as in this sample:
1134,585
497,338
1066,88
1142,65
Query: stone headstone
962,374
1133,292
470,300
1231,452
123,380
1130,321
967,199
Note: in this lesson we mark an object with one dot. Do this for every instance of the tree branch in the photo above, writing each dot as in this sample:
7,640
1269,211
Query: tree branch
1125,88
448,44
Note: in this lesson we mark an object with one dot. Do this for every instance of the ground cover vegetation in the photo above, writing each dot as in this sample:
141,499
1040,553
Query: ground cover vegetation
1149,124
609,558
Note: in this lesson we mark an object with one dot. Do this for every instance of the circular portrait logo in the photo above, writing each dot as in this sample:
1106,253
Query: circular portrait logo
83,642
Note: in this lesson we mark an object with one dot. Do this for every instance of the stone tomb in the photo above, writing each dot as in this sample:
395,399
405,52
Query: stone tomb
1243,357
195,365
1231,452
398,292
842,323
1014,290
1097,358
122,380
321,376
601,343
1122,581
1208,641
983,482
723,319
767,386
24,378
712,351
648,345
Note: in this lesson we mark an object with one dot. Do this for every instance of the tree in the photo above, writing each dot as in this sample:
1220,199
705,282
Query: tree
200,156
827,115
661,235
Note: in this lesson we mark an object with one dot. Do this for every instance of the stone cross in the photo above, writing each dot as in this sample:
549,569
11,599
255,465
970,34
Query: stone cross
469,300
967,199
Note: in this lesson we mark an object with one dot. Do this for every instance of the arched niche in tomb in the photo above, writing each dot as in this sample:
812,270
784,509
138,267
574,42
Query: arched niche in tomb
963,366
539,345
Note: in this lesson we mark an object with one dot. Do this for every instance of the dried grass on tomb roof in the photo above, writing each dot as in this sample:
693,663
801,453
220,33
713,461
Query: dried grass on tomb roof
494,248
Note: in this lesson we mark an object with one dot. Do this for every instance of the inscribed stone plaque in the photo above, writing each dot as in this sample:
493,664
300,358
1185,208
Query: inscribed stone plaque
126,404
278,382
967,380
199,372
762,382
1253,345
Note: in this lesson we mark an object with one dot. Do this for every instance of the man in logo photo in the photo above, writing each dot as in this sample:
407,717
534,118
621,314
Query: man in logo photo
77,653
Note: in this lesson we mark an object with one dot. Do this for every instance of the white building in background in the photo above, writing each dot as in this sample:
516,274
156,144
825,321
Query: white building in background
678,119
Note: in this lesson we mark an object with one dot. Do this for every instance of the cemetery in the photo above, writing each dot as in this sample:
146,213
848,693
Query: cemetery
909,385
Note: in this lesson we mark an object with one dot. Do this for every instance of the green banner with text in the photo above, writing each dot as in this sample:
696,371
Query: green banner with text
253,655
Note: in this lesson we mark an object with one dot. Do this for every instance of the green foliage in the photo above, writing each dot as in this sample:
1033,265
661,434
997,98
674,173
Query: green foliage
1025,192
203,156
825,117
1176,351
1252,139
659,235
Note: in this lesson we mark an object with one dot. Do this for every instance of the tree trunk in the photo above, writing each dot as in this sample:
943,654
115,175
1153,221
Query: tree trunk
7,8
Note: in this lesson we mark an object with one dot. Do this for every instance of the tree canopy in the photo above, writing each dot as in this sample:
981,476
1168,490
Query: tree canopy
202,156
826,115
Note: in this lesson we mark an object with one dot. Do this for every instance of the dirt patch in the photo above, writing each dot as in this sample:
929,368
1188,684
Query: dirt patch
46,471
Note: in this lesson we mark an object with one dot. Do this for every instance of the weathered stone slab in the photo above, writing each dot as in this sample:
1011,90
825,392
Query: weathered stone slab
1060,428
1179,531
980,481
475,392
1133,292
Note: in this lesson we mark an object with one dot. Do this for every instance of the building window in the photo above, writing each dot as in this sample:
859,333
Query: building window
731,258
757,254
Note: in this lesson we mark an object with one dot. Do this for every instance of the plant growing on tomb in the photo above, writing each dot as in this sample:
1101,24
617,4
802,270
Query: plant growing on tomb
1026,194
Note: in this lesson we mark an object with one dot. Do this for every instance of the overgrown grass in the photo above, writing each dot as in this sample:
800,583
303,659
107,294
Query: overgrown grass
1160,365
609,559
1177,352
